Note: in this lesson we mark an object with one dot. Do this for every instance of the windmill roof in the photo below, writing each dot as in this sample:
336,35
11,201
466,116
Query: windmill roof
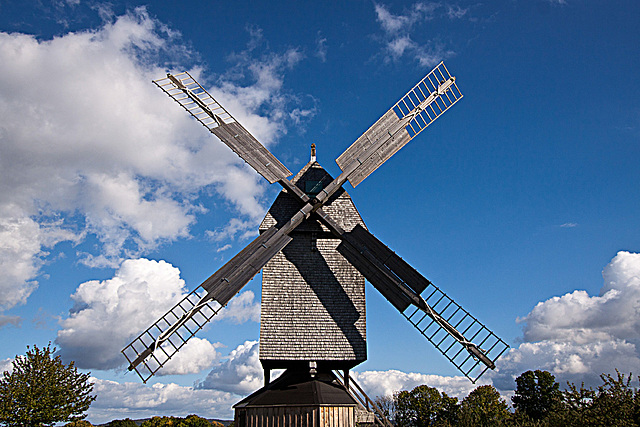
340,206
297,388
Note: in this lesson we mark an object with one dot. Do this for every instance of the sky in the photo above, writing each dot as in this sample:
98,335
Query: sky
521,202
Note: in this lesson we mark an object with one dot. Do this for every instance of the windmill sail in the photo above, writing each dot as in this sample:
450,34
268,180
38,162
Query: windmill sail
459,336
424,103
187,92
152,349
440,319
466,342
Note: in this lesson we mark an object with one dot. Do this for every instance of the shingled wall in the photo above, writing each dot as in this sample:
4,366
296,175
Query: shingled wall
313,300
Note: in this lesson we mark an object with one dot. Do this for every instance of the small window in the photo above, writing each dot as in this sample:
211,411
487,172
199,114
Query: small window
312,187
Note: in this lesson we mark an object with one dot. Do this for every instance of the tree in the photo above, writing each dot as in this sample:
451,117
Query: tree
189,421
127,422
425,406
537,393
41,390
575,410
483,407
387,405
79,423
615,402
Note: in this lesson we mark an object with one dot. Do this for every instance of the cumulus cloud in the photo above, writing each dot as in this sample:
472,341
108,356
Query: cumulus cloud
576,336
399,29
134,400
196,355
90,147
6,365
108,314
241,373
242,308
386,383
21,254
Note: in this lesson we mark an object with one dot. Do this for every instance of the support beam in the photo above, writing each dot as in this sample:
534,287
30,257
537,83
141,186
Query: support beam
267,376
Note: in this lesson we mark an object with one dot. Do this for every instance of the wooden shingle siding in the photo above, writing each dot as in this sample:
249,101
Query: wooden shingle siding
313,299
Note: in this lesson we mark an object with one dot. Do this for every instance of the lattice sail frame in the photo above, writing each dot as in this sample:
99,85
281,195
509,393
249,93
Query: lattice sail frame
466,324
187,92
172,86
431,84
169,334
414,112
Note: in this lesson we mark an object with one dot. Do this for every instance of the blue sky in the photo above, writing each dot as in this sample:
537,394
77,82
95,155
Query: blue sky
521,202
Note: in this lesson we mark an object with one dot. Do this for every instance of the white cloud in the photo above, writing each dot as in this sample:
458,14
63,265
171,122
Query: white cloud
386,383
321,47
580,319
21,250
241,308
134,400
241,373
108,314
456,12
395,24
398,30
90,146
576,336
236,227
224,248
569,225
6,365
196,355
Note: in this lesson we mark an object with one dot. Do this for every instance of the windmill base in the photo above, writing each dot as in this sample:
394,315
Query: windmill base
298,399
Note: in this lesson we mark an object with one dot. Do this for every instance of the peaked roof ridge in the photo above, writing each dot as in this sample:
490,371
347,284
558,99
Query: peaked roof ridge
305,168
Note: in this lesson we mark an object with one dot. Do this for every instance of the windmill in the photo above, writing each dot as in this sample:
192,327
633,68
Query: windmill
316,252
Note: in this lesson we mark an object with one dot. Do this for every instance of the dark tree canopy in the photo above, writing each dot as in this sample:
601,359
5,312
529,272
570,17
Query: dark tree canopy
127,422
538,402
614,403
41,390
537,392
425,406
483,407
189,421
79,423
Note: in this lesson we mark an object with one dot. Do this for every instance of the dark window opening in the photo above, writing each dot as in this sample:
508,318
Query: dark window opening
312,187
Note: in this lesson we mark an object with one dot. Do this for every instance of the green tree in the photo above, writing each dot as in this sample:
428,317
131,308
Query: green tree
79,423
615,402
189,421
537,394
425,406
40,390
575,410
196,421
127,422
483,407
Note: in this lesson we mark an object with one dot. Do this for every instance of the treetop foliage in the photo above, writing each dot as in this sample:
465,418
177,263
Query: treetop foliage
40,390
538,402
537,392
189,421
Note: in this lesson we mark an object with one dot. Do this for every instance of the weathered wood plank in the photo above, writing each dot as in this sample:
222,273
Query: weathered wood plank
251,151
